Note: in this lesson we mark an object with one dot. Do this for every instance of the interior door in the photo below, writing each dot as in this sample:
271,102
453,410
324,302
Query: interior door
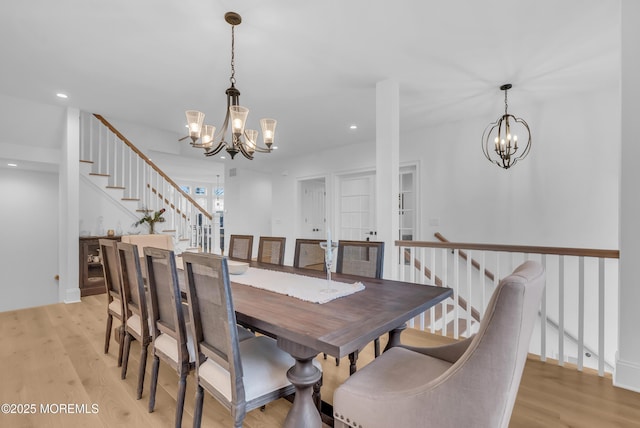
313,209
357,219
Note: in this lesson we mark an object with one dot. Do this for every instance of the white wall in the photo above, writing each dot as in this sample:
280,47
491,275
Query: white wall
95,204
627,374
565,193
327,164
29,230
29,223
177,159
248,205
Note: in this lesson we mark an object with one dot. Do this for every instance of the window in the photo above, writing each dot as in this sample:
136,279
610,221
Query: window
200,191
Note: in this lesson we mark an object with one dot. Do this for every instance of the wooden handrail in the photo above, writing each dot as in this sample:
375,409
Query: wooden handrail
464,255
152,165
560,251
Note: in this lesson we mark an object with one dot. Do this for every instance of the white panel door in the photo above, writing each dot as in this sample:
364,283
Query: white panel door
313,209
357,207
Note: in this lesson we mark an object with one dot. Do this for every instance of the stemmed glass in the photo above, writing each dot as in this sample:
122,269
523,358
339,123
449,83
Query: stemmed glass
328,261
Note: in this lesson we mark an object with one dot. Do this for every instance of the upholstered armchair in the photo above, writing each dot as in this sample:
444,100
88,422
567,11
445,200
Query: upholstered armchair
472,383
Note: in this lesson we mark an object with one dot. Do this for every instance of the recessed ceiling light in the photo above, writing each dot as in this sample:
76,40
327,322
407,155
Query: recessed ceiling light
353,127
12,164
222,157
275,147
61,95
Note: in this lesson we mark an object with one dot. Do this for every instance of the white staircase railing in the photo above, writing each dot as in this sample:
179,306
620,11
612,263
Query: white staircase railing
145,187
577,322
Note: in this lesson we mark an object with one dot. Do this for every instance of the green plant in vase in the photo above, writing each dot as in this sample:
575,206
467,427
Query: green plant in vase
151,219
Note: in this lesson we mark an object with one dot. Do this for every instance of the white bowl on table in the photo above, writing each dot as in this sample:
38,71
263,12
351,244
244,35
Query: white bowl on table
236,267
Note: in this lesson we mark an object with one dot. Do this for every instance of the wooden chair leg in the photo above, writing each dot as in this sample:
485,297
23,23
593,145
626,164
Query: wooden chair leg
182,389
154,382
353,357
197,412
120,344
142,369
107,336
317,398
238,416
125,355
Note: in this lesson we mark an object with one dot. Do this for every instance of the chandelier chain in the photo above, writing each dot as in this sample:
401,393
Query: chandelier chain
505,101
233,56
243,140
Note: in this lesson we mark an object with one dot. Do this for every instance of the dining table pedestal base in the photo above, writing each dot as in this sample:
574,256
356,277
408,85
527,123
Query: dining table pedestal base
304,376
394,337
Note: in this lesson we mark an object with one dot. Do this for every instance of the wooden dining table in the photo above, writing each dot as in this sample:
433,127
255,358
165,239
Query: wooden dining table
337,328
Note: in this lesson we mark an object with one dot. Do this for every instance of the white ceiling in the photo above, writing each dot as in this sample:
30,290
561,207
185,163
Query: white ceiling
312,65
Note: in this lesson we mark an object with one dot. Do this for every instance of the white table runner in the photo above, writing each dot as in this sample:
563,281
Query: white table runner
302,287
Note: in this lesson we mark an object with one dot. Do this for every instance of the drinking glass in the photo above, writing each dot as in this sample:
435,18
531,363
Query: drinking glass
328,262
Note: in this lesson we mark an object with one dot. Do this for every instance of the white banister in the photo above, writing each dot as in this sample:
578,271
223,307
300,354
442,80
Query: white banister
561,311
601,297
573,314
543,316
142,183
580,313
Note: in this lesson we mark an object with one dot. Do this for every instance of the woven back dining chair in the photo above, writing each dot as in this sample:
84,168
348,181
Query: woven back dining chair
168,327
241,247
271,250
135,306
241,375
309,255
362,258
115,308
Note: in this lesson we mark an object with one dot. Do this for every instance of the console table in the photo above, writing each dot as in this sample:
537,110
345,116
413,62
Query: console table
91,273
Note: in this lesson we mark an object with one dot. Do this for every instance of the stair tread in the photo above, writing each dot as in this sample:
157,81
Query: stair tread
116,187
86,161
99,174
130,199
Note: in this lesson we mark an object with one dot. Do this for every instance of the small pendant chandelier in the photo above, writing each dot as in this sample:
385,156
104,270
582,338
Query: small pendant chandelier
501,146
243,140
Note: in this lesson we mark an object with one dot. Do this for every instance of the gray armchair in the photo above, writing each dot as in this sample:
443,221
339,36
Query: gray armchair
472,383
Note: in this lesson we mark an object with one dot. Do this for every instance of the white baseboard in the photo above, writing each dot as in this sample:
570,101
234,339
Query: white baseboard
72,295
627,375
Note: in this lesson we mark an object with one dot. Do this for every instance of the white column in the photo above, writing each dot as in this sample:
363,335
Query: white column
69,184
387,170
627,371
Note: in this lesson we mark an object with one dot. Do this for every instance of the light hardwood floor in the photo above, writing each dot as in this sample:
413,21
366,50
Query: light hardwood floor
53,356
